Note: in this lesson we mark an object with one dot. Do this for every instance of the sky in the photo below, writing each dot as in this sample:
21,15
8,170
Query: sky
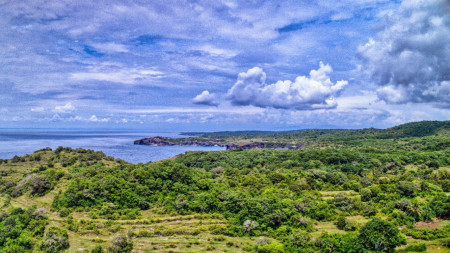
199,65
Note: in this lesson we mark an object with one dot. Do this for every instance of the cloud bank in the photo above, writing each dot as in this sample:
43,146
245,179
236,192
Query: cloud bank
409,59
205,98
305,93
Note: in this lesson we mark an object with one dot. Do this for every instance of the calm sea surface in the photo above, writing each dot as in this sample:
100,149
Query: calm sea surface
118,144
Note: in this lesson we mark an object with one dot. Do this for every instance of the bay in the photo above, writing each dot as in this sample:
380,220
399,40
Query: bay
116,143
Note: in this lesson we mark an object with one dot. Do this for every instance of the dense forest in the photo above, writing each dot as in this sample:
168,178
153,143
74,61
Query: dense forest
366,190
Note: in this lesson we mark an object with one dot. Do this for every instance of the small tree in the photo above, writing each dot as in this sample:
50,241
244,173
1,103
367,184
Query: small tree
379,235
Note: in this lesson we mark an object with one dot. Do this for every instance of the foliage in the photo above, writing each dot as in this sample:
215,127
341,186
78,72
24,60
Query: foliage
380,235
419,247
56,240
20,229
120,244
340,178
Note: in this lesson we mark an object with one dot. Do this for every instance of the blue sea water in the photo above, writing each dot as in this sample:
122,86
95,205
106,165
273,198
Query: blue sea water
118,144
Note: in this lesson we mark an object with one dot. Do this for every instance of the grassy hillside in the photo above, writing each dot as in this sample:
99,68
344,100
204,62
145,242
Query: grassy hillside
346,191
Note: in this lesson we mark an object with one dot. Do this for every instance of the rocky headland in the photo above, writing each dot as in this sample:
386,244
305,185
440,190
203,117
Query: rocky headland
165,141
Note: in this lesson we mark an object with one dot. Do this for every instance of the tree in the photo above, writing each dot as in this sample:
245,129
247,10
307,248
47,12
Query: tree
380,236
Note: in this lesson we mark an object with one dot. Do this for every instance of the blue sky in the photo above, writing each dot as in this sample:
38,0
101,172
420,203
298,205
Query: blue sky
223,65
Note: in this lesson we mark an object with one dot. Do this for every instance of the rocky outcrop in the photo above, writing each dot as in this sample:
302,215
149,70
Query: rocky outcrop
165,141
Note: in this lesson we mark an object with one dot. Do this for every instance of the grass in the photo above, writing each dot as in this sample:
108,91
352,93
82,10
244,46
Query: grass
190,233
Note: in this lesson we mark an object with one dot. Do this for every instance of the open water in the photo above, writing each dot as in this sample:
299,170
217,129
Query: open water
118,144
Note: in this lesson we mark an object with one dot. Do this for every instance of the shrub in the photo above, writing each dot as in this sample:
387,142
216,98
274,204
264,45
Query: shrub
249,226
366,194
445,242
343,223
120,244
402,204
97,249
64,212
406,188
40,185
298,239
419,247
274,247
56,240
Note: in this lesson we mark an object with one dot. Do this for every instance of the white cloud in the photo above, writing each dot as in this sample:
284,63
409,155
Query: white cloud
127,76
205,98
409,58
67,108
94,118
314,92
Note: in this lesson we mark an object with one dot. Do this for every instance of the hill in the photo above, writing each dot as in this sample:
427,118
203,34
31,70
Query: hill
314,138
345,191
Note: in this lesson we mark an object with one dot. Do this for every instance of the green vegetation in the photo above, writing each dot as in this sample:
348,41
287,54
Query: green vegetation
345,191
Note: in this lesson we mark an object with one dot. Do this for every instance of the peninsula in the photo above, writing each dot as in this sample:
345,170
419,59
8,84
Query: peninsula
166,141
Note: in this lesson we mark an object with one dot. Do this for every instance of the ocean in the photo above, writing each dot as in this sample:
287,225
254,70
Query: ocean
118,144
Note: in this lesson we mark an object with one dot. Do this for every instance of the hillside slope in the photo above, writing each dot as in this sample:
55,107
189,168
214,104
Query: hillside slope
337,194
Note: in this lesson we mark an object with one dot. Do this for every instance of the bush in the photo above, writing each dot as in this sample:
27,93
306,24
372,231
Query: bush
249,226
64,212
419,247
274,247
97,249
120,244
445,242
343,223
366,194
427,234
40,185
56,240
298,239
406,188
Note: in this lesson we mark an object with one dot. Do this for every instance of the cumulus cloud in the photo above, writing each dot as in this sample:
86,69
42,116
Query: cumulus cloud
205,98
409,58
305,93
67,108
